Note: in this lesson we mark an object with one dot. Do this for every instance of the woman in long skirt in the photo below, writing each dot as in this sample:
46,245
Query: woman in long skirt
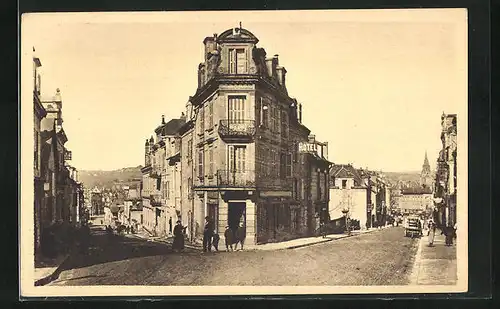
431,233
178,243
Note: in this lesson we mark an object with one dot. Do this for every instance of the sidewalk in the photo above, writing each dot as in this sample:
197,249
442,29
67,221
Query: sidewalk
308,241
435,265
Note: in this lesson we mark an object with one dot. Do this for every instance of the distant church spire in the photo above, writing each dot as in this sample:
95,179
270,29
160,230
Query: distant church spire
425,176
426,162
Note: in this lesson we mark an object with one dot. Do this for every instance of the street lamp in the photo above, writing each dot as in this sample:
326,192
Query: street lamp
345,211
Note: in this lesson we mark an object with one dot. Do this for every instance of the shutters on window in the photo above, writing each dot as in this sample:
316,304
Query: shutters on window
236,109
241,61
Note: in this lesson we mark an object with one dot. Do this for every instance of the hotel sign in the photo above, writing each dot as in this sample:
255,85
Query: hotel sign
307,147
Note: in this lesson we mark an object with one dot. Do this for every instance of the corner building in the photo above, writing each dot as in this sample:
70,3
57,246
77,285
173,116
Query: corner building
242,145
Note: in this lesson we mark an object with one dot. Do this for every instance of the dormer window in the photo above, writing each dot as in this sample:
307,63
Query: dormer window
237,61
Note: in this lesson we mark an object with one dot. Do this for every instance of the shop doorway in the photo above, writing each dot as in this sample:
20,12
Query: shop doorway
236,214
213,214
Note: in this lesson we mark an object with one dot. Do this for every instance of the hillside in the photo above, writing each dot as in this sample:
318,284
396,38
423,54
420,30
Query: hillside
108,178
125,175
403,176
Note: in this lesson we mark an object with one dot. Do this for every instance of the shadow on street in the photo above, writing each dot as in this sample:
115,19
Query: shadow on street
105,248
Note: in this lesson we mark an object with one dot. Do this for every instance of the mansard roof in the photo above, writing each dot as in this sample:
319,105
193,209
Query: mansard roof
171,127
345,171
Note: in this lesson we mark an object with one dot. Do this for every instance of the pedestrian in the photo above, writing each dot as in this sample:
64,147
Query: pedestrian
449,232
431,233
228,235
178,243
419,224
240,236
322,228
208,231
215,241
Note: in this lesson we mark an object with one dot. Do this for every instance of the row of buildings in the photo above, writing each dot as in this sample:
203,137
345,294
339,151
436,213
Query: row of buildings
445,184
240,152
58,194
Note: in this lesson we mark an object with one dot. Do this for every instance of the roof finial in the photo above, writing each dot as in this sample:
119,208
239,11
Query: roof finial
240,25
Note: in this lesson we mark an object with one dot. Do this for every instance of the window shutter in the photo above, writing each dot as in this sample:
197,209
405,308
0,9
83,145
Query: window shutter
241,63
232,64
230,152
200,164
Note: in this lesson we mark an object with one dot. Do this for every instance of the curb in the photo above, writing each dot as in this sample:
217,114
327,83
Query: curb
164,242
53,276
328,240
317,243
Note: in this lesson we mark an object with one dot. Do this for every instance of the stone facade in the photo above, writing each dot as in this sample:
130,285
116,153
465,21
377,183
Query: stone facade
161,192
59,203
445,190
237,153
245,136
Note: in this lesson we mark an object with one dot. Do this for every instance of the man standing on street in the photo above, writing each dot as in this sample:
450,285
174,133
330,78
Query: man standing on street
240,236
208,232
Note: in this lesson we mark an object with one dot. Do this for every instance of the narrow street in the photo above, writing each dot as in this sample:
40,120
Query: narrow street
383,257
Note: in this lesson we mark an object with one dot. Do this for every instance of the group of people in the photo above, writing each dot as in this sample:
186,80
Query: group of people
450,233
210,237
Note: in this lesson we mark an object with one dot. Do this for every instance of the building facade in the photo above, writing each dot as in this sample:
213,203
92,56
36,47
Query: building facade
58,193
416,201
97,202
245,135
361,195
38,114
445,192
161,178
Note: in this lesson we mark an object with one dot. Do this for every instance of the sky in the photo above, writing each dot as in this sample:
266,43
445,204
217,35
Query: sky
373,83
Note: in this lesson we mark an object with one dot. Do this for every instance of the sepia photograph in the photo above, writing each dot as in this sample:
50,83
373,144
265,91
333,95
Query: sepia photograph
243,153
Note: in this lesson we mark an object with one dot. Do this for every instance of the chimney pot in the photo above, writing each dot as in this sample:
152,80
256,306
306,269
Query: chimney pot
162,119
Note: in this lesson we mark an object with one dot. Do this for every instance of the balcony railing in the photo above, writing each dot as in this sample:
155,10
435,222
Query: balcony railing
236,179
155,174
155,199
273,183
237,128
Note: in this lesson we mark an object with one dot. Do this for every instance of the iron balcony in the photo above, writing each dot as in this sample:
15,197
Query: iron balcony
236,179
237,129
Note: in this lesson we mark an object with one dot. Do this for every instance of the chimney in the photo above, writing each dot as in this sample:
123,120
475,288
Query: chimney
183,116
281,73
300,113
272,64
275,65
147,148
209,43
162,119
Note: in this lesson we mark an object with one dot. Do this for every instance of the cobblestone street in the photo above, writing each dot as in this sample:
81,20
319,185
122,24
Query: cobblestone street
382,257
